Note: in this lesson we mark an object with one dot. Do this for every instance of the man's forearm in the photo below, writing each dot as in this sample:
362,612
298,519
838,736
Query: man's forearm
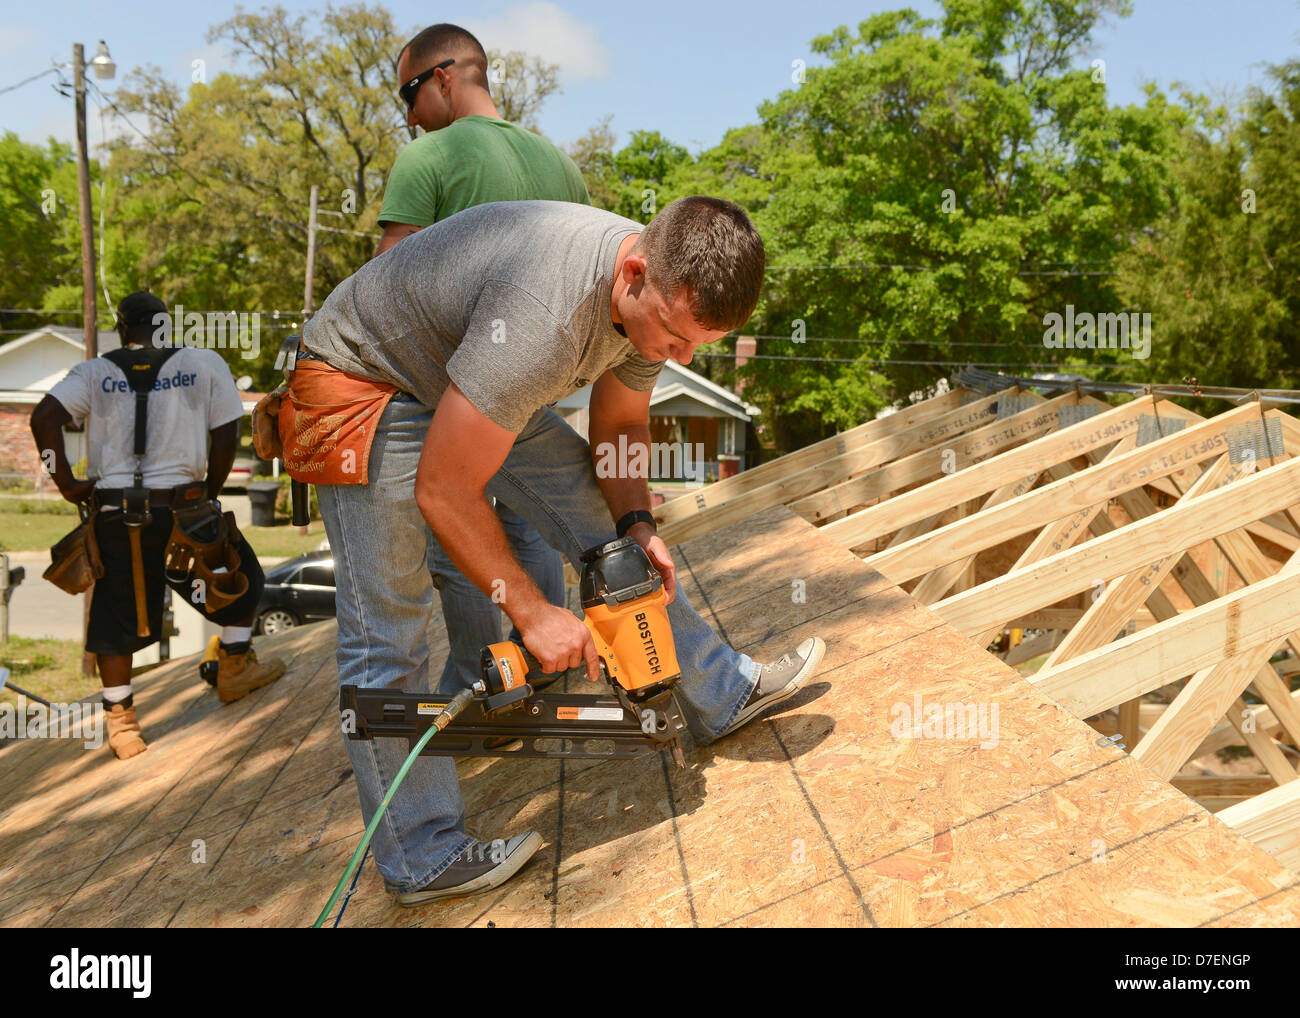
48,432
221,456
470,533
622,492
393,234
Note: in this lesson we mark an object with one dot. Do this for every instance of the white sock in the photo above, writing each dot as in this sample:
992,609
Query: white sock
116,694
236,634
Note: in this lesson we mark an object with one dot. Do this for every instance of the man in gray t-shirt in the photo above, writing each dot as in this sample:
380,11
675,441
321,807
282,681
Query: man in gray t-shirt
480,321
508,300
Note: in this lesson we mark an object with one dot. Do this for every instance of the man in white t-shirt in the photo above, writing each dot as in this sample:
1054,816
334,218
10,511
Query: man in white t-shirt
191,401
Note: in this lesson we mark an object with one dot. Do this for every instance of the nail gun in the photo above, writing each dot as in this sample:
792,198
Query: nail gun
625,609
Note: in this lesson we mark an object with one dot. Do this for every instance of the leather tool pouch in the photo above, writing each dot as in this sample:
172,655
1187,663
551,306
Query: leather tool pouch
266,424
74,561
266,414
135,506
202,552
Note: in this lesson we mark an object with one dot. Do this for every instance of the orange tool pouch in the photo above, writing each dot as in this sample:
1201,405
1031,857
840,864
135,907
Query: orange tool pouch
327,420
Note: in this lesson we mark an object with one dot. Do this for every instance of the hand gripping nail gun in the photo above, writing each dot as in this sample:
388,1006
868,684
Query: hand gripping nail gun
625,609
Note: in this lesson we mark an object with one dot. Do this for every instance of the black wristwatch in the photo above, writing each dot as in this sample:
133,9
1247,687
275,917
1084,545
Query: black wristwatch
632,519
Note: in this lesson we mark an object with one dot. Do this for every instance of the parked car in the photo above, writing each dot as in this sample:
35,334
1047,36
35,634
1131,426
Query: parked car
297,591
241,472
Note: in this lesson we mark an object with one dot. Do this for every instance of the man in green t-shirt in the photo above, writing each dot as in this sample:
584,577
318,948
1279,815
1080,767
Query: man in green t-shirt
470,156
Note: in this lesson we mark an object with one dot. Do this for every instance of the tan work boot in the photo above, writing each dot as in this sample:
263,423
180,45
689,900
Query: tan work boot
238,674
124,735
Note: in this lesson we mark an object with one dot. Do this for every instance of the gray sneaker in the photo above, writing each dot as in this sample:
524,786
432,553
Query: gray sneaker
481,867
780,680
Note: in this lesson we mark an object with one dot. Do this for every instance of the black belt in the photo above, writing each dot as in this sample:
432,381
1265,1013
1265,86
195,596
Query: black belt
181,495
306,355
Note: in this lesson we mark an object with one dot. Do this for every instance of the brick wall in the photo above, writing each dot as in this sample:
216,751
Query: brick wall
18,453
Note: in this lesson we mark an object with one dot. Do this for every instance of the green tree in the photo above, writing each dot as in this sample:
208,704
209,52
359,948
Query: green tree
939,183
633,180
1219,274
212,198
641,169
593,154
39,232
216,194
520,84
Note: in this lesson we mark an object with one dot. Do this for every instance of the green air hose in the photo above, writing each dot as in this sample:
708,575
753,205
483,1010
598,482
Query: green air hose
458,703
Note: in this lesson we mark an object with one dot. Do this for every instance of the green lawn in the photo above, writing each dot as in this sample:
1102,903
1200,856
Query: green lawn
38,531
284,542
48,668
30,531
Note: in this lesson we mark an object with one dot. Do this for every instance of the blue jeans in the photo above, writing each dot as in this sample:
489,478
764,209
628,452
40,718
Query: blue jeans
473,619
385,596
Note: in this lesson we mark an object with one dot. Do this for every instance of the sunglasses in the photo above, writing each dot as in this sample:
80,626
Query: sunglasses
412,87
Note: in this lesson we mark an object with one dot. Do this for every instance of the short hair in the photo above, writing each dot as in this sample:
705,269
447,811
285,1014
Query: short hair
709,247
438,42
137,316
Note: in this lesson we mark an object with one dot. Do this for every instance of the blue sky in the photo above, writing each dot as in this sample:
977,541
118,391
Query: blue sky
688,69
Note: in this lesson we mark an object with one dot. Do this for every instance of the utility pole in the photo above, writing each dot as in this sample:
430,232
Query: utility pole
300,493
104,69
89,311
311,255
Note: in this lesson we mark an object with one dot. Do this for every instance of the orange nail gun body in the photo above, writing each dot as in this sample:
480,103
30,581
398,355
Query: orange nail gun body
626,612
625,609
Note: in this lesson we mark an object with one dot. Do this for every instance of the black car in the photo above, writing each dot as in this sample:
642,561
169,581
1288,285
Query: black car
297,591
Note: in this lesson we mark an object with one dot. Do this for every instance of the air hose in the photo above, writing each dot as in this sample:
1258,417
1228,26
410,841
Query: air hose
458,703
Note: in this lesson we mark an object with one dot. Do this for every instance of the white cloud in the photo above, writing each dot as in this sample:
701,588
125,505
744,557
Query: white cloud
546,30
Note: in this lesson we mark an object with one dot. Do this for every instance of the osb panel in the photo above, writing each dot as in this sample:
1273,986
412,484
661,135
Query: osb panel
827,813
1159,878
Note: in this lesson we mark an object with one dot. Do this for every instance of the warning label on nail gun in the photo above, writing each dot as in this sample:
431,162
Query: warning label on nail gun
589,713
428,708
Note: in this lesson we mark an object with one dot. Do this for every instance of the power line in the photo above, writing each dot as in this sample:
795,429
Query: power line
297,312
875,342
975,379
359,233
890,360
10,88
290,312
885,267
118,110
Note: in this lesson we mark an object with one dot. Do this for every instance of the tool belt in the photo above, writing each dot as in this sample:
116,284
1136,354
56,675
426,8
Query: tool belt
203,548
74,562
128,499
322,422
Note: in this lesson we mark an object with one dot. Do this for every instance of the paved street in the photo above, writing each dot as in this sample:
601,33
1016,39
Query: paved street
38,608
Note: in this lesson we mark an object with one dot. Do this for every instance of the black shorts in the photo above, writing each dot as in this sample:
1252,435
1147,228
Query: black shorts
112,604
